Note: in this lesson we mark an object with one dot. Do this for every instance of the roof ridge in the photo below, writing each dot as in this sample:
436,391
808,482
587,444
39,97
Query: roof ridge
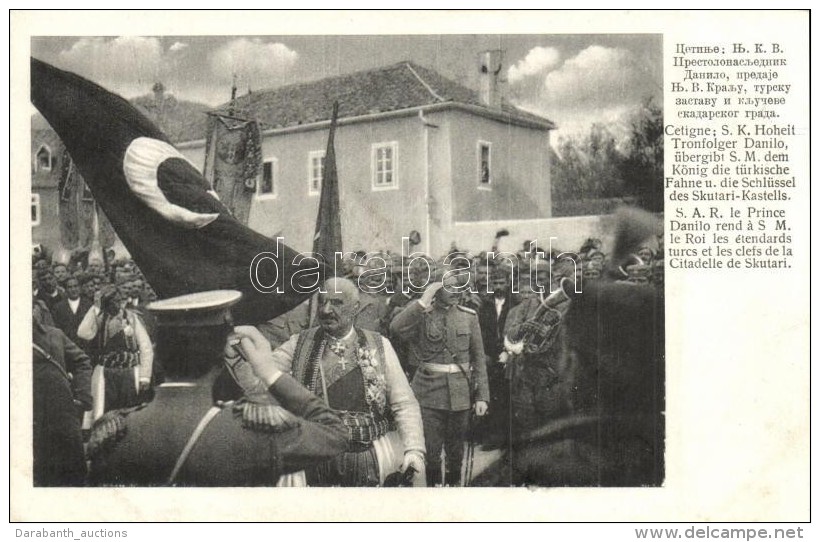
389,88
337,76
423,82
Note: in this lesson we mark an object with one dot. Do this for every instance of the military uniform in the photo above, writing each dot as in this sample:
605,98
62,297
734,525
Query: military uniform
184,437
539,378
143,446
61,376
445,344
613,337
398,301
395,305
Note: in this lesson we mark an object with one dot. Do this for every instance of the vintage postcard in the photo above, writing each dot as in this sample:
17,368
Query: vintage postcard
529,265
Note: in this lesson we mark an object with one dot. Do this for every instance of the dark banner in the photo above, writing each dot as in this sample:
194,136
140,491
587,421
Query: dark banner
179,234
77,209
233,161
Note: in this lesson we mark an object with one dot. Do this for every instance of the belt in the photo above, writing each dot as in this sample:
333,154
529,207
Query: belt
446,367
363,428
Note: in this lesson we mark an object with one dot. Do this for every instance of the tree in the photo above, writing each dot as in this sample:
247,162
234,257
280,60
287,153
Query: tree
598,166
588,167
642,167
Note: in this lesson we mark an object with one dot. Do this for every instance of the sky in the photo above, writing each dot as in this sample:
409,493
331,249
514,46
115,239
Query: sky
574,80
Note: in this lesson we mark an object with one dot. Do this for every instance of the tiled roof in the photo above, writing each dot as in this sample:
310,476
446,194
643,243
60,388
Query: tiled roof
180,120
392,88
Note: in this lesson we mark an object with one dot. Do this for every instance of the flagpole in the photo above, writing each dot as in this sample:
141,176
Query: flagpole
327,239
96,247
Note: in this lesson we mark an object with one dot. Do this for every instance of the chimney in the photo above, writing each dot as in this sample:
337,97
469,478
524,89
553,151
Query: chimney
159,93
489,71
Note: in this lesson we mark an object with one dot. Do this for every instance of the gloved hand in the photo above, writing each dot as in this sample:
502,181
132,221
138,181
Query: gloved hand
253,347
429,294
413,458
253,388
247,357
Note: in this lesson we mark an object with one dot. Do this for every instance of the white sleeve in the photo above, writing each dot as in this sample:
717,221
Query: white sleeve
89,326
403,403
283,356
145,347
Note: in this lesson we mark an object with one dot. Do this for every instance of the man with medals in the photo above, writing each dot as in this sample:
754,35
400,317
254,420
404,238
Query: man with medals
357,373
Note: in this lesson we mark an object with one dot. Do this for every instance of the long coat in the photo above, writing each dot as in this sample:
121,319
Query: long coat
141,447
60,376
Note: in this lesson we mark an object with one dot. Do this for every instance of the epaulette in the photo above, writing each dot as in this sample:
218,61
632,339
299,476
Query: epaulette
468,310
108,431
264,417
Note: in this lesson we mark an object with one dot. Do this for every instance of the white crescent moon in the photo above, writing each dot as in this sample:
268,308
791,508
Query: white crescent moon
142,158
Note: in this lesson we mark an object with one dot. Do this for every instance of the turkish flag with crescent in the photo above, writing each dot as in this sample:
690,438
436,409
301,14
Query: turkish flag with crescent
180,235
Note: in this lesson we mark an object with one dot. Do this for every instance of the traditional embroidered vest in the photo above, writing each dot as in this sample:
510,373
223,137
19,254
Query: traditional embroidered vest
120,350
367,416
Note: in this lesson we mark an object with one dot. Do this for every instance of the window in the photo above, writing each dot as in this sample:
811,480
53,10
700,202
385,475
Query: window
384,165
267,186
42,160
316,169
35,209
484,165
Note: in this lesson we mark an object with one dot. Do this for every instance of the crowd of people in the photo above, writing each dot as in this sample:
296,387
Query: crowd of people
415,362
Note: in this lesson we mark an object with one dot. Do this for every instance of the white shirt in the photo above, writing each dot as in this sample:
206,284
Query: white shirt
74,304
499,306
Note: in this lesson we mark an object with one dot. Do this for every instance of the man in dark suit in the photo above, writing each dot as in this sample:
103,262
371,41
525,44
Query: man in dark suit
69,312
492,316
48,290
88,285
61,392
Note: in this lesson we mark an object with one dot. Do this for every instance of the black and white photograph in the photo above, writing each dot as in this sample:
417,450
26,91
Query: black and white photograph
488,309
356,259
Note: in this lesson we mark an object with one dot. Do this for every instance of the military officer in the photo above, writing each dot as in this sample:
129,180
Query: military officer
182,438
61,375
404,294
539,373
444,341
